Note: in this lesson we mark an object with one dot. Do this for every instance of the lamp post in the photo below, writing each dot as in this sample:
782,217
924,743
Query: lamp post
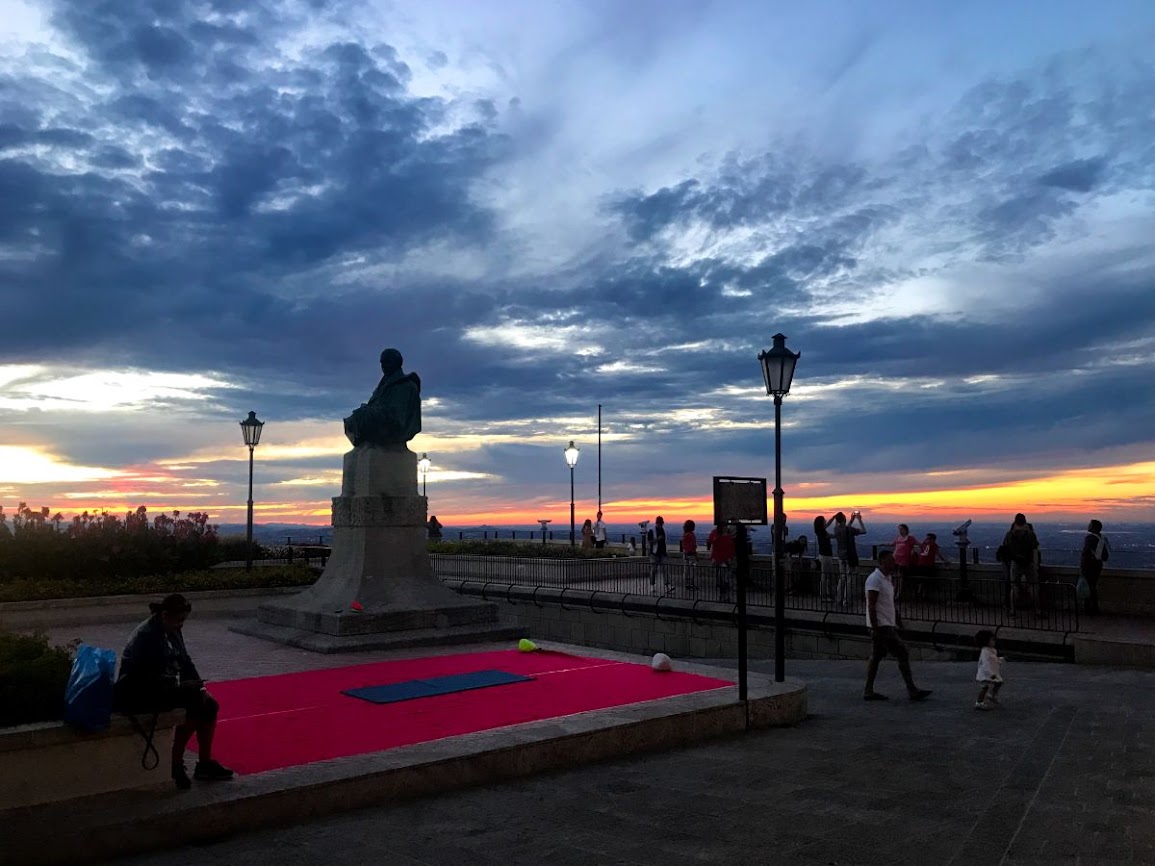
423,467
251,429
571,459
778,365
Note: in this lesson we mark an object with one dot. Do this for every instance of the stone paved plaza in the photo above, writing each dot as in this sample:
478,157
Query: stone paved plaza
1063,773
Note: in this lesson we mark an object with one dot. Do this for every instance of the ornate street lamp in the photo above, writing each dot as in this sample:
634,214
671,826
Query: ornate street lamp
571,458
423,467
251,429
778,365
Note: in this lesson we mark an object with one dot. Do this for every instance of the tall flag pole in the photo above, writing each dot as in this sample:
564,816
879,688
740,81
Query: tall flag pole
599,456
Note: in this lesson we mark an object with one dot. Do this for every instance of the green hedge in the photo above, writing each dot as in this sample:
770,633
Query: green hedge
191,581
33,676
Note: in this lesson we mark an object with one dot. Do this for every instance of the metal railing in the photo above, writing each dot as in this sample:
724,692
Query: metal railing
994,602
551,535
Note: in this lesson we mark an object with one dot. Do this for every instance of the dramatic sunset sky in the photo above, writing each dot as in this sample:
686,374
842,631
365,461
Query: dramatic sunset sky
213,206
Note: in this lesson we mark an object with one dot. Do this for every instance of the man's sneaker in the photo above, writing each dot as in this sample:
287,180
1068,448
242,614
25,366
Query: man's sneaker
180,776
991,699
211,771
982,705
920,695
874,696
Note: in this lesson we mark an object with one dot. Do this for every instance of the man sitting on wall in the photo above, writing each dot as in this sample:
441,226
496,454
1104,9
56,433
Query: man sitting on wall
157,676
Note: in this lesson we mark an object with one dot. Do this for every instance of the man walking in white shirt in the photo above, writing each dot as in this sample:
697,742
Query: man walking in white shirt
599,533
884,622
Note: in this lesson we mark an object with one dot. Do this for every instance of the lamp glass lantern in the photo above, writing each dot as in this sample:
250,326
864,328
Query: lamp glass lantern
251,430
572,452
778,365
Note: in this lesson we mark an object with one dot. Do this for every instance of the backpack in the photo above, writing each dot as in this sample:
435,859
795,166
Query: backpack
88,696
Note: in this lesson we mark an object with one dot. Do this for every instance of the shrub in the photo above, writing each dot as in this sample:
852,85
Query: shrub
38,545
160,584
33,677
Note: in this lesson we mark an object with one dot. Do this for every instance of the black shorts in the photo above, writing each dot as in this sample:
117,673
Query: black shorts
884,640
198,704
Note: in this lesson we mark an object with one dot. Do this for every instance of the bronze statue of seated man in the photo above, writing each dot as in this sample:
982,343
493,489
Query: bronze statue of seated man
393,414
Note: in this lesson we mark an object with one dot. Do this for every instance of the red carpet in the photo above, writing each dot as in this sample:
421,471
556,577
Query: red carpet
282,721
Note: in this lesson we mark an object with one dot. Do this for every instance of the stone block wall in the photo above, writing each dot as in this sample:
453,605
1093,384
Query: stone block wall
684,638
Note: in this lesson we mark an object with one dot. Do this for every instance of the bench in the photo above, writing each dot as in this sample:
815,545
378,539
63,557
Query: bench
50,761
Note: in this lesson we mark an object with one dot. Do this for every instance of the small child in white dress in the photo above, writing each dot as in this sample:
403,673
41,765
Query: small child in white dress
989,675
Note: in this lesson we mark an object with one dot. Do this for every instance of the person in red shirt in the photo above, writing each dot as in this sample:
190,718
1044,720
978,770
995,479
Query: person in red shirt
690,552
720,543
905,556
929,556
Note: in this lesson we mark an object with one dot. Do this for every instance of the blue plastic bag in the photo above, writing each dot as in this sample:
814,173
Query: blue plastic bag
88,697
1083,588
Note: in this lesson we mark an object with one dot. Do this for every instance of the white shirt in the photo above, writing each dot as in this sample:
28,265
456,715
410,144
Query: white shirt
989,665
599,531
884,609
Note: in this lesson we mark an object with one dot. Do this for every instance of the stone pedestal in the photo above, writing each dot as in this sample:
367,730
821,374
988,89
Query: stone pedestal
379,561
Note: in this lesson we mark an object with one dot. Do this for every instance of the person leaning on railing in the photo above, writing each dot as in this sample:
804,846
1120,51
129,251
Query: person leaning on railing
1095,552
1022,552
721,546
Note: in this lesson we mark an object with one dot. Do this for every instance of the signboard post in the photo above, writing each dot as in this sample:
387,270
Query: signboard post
740,500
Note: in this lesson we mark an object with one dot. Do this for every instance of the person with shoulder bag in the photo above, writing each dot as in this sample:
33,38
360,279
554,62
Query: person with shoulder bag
1095,552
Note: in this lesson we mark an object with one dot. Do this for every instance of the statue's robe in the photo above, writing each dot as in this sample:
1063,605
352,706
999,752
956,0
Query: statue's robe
393,414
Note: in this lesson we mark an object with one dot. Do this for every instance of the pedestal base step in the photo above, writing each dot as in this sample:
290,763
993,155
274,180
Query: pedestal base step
452,611
327,643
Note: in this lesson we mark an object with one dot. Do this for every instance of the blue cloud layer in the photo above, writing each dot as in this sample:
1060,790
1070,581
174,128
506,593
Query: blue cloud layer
265,191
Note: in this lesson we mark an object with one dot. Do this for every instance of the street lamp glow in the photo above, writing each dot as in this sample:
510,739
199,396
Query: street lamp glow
778,364
572,453
423,466
251,429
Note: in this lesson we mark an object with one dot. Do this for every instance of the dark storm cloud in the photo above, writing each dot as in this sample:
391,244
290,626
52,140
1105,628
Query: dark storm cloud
212,171
1080,175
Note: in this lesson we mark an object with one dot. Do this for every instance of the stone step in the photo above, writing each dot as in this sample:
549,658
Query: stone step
327,643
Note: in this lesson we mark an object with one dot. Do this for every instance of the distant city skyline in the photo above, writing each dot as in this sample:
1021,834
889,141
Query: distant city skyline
948,210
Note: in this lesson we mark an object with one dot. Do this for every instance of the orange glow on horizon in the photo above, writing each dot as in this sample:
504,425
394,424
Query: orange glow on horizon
1077,493
1071,494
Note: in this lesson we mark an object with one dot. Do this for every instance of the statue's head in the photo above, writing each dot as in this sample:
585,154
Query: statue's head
390,361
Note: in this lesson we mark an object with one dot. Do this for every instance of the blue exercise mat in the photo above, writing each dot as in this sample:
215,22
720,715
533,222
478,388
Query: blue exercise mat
412,689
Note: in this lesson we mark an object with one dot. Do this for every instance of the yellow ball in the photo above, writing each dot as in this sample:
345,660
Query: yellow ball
526,645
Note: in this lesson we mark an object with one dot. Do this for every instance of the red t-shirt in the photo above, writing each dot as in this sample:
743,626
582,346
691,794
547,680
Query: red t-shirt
904,547
689,543
722,547
929,553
